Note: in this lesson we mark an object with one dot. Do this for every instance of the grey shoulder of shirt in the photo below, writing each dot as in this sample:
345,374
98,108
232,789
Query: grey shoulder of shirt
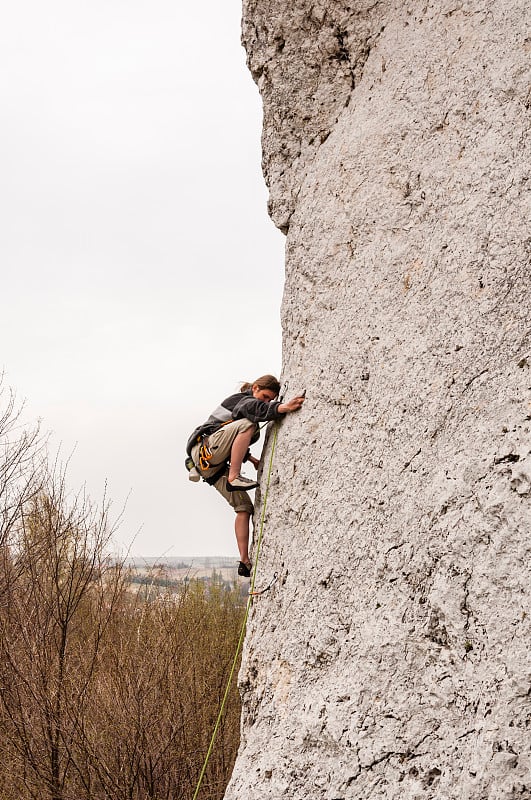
220,414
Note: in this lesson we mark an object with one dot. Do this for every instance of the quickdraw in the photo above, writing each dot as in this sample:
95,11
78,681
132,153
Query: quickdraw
255,593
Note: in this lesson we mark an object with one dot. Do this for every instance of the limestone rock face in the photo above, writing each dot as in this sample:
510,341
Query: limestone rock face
391,659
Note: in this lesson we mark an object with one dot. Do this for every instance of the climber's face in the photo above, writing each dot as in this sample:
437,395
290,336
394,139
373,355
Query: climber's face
266,395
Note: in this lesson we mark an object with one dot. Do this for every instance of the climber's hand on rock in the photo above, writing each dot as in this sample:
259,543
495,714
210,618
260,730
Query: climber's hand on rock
292,405
254,461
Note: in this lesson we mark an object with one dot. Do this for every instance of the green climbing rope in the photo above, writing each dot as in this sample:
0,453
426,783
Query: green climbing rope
245,618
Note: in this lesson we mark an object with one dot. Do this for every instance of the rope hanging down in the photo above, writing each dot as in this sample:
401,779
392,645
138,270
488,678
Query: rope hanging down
252,593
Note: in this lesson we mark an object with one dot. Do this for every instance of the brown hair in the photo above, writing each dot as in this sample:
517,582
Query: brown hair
264,382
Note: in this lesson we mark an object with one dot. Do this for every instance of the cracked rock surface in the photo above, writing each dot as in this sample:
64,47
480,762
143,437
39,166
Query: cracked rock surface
392,657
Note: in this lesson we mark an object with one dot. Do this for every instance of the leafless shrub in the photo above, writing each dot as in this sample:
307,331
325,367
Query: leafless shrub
21,456
105,691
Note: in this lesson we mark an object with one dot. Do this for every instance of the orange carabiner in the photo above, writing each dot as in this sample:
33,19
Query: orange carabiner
205,454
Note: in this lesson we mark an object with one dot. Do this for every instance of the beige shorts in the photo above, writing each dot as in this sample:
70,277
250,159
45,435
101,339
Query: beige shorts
239,501
220,443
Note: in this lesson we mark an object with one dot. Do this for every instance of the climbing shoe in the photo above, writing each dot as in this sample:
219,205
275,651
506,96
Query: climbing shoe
244,570
241,484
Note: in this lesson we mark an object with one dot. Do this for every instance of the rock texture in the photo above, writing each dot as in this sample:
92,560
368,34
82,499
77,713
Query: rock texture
391,660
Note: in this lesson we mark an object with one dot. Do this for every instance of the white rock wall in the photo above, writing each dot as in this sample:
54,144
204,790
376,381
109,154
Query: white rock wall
392,659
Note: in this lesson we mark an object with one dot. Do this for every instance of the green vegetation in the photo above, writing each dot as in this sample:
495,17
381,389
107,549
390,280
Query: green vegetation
107,689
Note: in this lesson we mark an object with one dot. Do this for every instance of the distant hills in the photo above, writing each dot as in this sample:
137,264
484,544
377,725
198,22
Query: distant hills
182,562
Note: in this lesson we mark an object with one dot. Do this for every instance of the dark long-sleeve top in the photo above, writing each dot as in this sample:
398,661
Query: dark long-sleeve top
241,405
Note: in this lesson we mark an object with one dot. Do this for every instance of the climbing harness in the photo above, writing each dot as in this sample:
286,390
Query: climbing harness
205,453
252,593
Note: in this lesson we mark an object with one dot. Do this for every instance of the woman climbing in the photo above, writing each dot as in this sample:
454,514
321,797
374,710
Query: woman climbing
218,448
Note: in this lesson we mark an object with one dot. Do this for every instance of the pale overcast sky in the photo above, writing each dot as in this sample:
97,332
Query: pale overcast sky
141,275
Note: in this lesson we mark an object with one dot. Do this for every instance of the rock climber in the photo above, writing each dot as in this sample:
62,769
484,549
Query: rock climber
218,448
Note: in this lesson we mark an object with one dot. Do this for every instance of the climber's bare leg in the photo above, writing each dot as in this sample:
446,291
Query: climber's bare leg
241,527
237,454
